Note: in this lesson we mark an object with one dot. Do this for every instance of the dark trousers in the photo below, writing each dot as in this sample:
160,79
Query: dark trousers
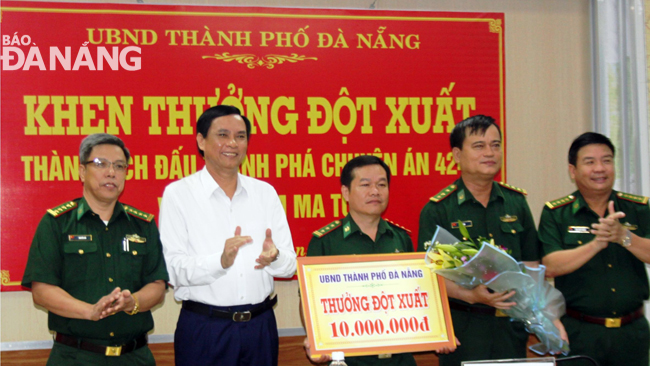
203,341
485,337
624,346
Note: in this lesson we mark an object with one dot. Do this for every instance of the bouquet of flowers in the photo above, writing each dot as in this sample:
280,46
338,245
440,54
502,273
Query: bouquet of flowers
470,264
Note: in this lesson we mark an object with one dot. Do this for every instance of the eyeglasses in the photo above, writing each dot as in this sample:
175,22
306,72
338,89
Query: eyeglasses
103,164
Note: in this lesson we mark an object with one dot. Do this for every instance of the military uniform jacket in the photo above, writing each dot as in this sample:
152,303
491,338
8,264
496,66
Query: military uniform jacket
75,250
343,237
506,219
614,282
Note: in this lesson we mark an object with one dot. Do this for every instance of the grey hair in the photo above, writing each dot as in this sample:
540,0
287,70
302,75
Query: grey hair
93,140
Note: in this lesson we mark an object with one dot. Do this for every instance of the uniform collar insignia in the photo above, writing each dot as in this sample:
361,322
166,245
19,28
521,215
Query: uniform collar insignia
461,196
347,230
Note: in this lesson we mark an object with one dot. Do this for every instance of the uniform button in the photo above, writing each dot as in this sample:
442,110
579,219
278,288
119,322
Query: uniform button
241,275
613,289
81,251
112,334
242,298
514,231
106,228
579,242
613,313
135,252
491,235
108,255
609,265
110,279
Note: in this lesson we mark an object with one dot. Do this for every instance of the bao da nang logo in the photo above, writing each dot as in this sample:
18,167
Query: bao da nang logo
19,52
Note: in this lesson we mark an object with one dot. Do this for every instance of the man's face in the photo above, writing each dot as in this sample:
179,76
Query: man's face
481,154
368,192
594,170
225,146
103,184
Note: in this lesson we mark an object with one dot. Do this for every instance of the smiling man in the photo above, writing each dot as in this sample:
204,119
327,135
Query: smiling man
225,237
97,266
364,186
491,210
595,242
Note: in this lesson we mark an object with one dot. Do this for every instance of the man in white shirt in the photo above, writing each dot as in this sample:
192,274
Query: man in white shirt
225,236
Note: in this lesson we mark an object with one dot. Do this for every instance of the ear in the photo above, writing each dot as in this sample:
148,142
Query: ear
572,172
200,140
456,153
82,173
346,193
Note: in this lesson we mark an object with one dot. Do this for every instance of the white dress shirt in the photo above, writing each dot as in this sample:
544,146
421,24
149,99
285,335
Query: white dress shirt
196,219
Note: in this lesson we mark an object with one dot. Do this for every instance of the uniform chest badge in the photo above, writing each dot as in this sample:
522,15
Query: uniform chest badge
135,238
579,230
508,218
467,223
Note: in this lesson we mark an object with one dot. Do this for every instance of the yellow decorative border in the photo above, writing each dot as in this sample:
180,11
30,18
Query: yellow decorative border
252,61
5,279
495,26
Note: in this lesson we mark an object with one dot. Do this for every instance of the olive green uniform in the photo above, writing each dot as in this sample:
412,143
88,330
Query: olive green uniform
612,284
343,238
74,249
507,220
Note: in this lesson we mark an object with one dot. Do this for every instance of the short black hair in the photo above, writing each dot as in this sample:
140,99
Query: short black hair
475,124
90,141
205,121
358,162
588,138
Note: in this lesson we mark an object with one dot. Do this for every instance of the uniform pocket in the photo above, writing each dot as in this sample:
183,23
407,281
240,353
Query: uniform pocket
134,258
82,261
512,228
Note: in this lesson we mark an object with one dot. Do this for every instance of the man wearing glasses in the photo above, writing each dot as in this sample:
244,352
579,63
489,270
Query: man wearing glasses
97,266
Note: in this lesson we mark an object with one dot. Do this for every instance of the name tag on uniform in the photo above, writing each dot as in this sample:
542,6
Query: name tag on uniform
467,223
80,238
579,230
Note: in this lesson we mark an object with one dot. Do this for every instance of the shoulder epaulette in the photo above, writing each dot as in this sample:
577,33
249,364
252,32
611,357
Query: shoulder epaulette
398,225
444,193
62,208
137,213
327,228
513,188
633,198
560,202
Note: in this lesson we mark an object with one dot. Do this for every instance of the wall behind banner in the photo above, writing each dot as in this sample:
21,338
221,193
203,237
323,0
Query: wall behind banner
548,103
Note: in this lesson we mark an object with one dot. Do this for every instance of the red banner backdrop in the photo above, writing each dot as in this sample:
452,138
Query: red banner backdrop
320,87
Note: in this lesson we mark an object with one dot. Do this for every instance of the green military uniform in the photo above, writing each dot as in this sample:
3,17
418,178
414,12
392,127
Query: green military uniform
483,334
75,250
343,238
612,284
